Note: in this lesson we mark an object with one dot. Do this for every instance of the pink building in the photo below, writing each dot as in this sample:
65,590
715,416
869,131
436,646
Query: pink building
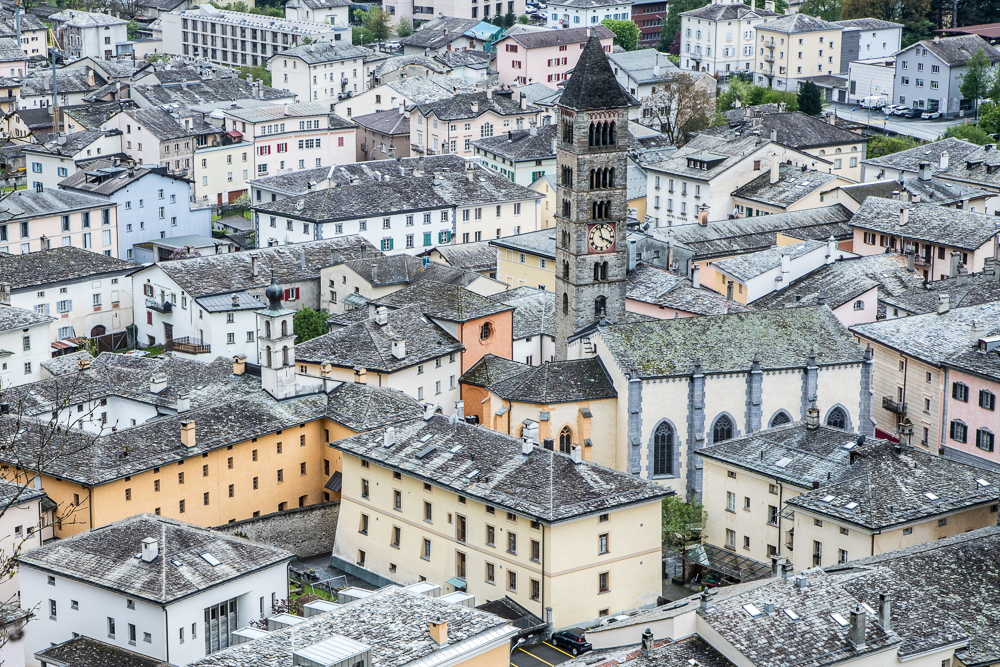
542,55
973,422
658,293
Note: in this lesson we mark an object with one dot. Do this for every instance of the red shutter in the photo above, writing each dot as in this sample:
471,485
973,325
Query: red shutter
149,317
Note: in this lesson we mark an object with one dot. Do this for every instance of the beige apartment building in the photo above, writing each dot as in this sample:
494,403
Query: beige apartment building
40,219
470,509
793,48
221,173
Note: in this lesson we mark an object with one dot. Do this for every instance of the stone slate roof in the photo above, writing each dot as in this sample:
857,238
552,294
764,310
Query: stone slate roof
471,58
80,19
647,282
792,24
29,22
328,52
534,311
930,191
746,267
324,4
393,622
777,339
86,652
93,115
959,572
300,182
845,280
700,301
793,185
520,145
10,50
478,256
932,337
404,270
666,653
983,364
794,129
460,106
980,166
956,51
160,123
733,237
67,81
102,178
69,144
890,489
539,39
453,303
66,363
399,62
910,159
816,455
927,222
728,12
588,4
592,85
29,204
489,467
60,264
490,369
232,272
270,112
641,66
867,24
430,88
223,303
105,557
558,382
541,243
369,345
729,152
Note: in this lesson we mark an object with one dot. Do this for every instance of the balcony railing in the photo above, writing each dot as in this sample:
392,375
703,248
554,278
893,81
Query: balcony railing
159,306
769,58
188,345
893,406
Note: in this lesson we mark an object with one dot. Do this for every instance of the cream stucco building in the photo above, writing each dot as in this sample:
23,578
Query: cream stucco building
790,49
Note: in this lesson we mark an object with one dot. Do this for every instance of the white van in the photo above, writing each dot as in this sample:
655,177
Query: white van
873,102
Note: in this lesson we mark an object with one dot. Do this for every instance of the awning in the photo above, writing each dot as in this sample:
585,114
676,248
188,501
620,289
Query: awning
63,345
235,133
356,300
457,583
335,482
728,563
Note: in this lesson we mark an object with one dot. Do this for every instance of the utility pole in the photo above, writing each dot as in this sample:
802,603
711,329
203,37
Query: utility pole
17,21
55,99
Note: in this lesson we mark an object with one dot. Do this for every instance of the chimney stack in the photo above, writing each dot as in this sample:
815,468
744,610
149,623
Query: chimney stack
954,261
5,290
812,418
856,635
785,262
706,605
774,135
187,434
398,348
157,383
978,331
943,304
774,167
184,401
695,276
381,316
787,569
389,436
239,364
439,631
729,290
83,364
904,215
925,171
549,444
576,454
236,301
254,268
526,446
703,215
831,249
768,606
801,582
943,160
911,257
360,375
775,567
460,409
646,648
150,550
630,255
884,611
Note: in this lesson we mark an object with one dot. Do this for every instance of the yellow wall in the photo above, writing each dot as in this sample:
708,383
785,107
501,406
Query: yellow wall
739,289
639,204
548,205
535,271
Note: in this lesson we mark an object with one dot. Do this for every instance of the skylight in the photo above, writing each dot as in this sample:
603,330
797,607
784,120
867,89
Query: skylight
427,437
982,482
790,613
752,610
175,562
783,462
827,499
930,496
839,619
211,560
850,445
868,608
851,505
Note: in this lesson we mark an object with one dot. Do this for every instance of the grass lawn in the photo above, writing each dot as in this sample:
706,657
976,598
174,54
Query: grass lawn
310,590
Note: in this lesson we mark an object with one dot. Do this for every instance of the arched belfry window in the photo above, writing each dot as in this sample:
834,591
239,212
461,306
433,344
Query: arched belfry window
836,418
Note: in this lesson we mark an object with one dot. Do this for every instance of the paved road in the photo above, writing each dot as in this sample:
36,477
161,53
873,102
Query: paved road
539,655
914,127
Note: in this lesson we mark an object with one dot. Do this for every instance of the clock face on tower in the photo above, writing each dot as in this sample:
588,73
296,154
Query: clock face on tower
601,237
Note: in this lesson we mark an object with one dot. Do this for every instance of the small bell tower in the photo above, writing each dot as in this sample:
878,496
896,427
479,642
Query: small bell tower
276,345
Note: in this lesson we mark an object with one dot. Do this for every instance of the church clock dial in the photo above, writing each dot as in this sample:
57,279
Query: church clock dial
601,237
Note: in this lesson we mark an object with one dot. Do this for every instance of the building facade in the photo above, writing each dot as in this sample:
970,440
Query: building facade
720,37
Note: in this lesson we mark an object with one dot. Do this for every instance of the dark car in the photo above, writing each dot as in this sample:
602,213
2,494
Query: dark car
573,640
913,113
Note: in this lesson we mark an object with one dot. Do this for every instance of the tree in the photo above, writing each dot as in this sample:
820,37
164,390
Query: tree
907,13
405,27
258,72
977,79
780,6
989,117
133,26
306,40
879,145
751,95
509,19
682,523
523,19
679,107
828,10
357,36
377,22
672,24
308,324
810,99
914,32
663,46
626,33
970,132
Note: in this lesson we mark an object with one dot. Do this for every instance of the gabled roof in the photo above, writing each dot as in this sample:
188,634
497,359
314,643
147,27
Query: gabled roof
58,264
105,557
80,19
210,91
732,11
101,177
538,39
868,24
520,145
534,311
441,32
403,269
930,191
430,88
644,66
794,129
749,266
491,368
911,158
592,85
541,243
793,185
389,122
452,303
12,317
927,222
67,82
93,115
472,105
797,23
980,166
10,51
963,291
958,50
558,382
476,256
397,63
327,52
82,651
28,204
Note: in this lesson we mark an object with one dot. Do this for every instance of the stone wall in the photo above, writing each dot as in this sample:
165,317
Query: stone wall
305,531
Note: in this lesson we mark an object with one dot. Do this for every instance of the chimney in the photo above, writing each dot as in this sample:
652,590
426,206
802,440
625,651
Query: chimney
236,301
475,107
768,606
526,447
150,550
288,109
187,434
812,418
646,648
943,160
184,400
703,215
549,444
706,605
326,370
157,383
439,631
254,267
955,260
360,375
978,331
990,269
925,170
943,304
420,165
884,611
832,117
90,76
398,348
389,436
775,567
831,249
576,454
524,101
83,364
785,270
769,5
774,135
695,276
914,198
729,290
460,409
773,158
381,316
800,581
911,257
856,635
5,289
302,257
904,214
895,195
786,569
630,255
963,276
239,364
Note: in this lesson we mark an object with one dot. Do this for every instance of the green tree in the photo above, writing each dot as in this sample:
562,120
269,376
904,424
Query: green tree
914,32
663,46
880,144
828,10
133,26
682,523
405,27
523,19
970,132
989,117
672,24
357,36
626,33
976,79
751,95
377,22
780,6
810,100
258,72
308,324
509,19
306,40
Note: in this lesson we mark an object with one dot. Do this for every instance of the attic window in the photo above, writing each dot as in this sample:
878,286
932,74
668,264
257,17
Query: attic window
982,482
211,560
783,462
930,496
790,613
752,610
827,499
839,619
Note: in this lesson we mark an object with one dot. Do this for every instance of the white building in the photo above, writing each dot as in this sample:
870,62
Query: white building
583,13
89,34
26,523
334,12
867,38
325,71
63,156
871,77
24,342
719,37
152,585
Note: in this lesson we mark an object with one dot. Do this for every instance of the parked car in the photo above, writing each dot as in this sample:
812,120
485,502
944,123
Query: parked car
930,114
900,111
392,46
888,109
573,640
912,113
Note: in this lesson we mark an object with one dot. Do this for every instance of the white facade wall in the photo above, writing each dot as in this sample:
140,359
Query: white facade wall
24,366
137,142
93,41
865,79
50,169
400,235
717,46
20,529
880,43
80,306
297,10
220,173
766,282
322,82
564,16
534,350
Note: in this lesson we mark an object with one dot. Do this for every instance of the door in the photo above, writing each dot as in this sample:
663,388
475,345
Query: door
168,331
219,200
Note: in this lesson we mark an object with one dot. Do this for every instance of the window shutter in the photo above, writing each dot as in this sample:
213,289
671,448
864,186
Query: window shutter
70,306
46,309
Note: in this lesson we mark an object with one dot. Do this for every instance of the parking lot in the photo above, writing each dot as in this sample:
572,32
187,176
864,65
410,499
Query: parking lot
539,655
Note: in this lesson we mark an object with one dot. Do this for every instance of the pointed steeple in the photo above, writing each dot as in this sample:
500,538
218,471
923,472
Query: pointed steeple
592,84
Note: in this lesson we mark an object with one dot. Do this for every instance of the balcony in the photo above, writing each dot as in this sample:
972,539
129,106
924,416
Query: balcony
893,406
921,260
160,307
769,58
188,345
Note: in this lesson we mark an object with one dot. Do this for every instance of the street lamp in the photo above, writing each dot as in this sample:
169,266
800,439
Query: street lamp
514,648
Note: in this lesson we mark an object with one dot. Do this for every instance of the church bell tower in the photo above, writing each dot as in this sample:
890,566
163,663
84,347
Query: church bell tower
591,197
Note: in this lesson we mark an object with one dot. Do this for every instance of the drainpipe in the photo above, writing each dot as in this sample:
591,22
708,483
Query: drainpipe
166,630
